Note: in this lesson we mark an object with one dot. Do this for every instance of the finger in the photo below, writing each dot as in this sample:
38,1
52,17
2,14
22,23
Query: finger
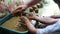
18,7
30,14
14,11
27,14
23,17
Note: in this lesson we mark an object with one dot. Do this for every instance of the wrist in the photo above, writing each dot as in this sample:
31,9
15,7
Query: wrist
27,21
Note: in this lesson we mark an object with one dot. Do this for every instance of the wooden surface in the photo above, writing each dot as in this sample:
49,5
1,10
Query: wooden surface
12,24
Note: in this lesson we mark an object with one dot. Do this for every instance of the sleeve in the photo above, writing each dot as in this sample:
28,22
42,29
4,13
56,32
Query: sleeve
50,28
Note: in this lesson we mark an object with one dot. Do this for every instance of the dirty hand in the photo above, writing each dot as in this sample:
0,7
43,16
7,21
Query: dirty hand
20,9
31,16
24,19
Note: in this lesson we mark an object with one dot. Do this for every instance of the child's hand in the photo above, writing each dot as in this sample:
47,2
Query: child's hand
20,8
24,19
31,16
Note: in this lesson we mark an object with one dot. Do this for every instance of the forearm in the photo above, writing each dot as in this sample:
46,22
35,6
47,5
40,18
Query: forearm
55,16
31,28
33,2
46,20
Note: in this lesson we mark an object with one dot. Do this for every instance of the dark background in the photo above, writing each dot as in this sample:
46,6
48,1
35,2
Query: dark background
58,2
